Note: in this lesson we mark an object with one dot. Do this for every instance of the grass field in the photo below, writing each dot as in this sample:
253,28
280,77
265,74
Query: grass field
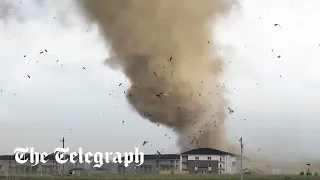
173,177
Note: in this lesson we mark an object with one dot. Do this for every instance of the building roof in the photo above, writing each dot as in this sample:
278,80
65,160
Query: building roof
159,157
49,157
7,157
162,156
207,151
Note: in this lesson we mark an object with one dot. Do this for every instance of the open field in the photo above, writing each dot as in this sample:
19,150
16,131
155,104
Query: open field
173,177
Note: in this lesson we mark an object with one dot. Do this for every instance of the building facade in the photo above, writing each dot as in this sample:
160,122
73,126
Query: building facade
196,161
153,164
9,167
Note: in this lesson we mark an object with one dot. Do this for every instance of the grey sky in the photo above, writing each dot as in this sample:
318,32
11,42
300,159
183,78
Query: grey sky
280,112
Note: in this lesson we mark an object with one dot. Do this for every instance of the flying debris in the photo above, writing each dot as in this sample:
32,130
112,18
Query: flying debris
143,51
144,143
158,153
230,110
277,25
28,76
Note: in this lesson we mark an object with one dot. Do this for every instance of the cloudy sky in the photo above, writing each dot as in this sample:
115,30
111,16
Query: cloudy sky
53,83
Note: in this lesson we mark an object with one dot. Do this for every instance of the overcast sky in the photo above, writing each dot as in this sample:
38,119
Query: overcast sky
271,72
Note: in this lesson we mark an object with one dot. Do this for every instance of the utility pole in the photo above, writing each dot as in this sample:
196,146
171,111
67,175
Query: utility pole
63,157
241,165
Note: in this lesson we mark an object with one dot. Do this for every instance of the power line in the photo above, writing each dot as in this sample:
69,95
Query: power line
63,157
241,144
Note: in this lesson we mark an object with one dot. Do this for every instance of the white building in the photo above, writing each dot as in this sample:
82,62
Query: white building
207,160
201,160
9,167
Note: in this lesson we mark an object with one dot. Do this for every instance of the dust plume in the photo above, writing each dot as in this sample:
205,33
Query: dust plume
165,48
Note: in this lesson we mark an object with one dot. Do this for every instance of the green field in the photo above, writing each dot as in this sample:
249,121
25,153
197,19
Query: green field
172,177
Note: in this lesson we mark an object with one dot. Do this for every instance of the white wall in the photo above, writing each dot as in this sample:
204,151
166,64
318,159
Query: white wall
224,161
205,157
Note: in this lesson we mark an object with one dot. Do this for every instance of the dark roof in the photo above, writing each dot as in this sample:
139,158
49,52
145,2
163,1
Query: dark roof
160,157
49,157
208,151
7,157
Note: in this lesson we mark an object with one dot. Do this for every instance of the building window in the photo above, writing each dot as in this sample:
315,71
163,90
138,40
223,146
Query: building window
196,165
209,158
209,164
234,163
196,158
220,166
220,158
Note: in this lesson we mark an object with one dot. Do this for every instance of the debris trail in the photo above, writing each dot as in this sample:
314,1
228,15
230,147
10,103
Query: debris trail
162,47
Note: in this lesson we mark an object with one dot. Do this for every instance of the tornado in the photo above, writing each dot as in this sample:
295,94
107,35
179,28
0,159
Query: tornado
166,49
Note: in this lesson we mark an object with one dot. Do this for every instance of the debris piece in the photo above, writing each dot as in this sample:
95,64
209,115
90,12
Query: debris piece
83,67
120,84
170,59
28,76
277,25
45,50
279,56
144,143
25,56
230,110
122,122
155,74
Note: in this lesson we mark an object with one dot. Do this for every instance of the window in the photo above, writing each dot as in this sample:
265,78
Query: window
196,165
209,158
220,158
220,166
234,163
196,158
209,165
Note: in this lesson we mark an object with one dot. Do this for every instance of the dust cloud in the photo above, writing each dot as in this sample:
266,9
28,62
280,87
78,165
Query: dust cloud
166,49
